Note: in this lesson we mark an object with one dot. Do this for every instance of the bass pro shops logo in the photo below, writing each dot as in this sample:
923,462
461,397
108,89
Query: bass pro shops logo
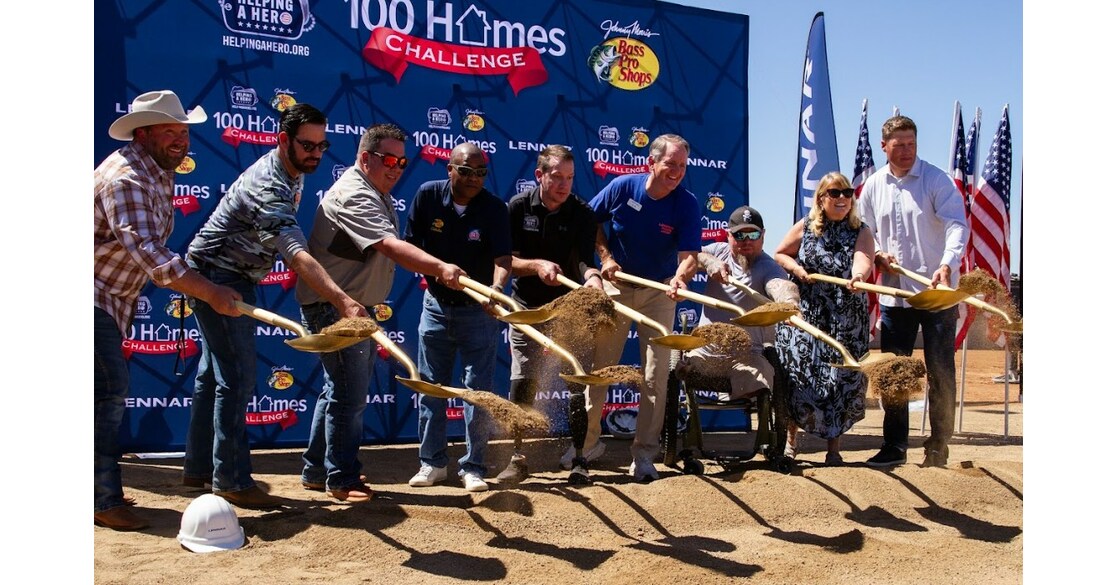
624,62
277,19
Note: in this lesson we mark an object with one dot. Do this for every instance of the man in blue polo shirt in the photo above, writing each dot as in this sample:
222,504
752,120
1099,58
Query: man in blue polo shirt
654,232
457,220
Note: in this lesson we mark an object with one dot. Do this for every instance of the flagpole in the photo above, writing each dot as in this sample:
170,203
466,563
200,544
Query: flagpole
966,340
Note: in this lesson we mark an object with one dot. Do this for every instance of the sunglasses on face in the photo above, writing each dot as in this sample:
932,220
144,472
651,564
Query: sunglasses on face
750,236
837,193
467,172
391,161
310,147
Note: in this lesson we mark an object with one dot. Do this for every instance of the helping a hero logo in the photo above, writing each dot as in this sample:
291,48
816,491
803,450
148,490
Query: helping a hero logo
438,118
283,20
338,171
469,43
608,135
243,98
624,62
524,185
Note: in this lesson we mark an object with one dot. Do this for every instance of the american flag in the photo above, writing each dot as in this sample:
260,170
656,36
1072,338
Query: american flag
863,167
966,167
957,171
989,219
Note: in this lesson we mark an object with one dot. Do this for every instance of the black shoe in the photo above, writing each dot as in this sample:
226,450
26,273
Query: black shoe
889,456
515,472
935,458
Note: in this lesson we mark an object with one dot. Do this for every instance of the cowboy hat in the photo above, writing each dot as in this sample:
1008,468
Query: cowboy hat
154,107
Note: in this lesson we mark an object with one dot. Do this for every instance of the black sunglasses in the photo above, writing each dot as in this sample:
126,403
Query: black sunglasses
742,236
467,171
310,147
390,160
836,193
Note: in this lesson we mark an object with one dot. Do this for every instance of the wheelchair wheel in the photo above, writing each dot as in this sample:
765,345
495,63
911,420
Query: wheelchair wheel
692,466
670,436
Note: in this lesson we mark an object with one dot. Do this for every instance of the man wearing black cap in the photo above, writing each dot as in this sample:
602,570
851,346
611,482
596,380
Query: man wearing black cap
742,258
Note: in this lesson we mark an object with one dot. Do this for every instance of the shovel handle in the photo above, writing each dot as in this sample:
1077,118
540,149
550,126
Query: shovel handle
884,290
533,333
380,337
271,318
818,334
755,296
625,310
686,294
970,300
489,292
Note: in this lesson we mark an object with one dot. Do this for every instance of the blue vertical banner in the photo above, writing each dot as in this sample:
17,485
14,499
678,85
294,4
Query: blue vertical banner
603,77
817,152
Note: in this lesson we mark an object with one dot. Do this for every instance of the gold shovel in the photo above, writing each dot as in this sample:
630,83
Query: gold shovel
1011,326
518,314
316,343
666,338
578,377
932,299
847,360
756,317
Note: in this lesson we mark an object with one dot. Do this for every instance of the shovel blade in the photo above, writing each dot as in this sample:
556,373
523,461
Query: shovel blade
680,342
937,299
319,343
757,318
527,316
428,388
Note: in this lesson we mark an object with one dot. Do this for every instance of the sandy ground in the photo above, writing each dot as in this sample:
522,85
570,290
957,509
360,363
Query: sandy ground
851,524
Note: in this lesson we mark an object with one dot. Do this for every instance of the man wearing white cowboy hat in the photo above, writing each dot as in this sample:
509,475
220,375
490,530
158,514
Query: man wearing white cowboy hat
133,216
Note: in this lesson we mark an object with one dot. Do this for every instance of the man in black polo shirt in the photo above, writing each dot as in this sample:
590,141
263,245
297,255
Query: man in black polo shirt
552,233
457,220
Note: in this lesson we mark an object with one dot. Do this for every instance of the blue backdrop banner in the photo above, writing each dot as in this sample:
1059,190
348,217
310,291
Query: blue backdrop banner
603,77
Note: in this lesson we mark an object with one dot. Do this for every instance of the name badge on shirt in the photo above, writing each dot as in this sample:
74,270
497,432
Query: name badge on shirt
531,223
634,204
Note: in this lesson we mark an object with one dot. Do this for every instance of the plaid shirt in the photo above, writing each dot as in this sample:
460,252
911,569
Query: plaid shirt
133,216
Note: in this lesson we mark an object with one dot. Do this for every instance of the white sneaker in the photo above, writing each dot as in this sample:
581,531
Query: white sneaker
428,475
473,482
593,453
643,470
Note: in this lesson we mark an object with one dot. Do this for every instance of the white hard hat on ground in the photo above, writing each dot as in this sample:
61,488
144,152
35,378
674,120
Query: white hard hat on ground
209,524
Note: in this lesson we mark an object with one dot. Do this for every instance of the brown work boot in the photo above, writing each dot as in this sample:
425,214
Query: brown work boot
253,497
353,494
119,518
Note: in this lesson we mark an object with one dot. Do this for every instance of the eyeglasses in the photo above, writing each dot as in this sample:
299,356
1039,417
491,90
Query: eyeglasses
750,236
467,172
836,193
310,147
390,160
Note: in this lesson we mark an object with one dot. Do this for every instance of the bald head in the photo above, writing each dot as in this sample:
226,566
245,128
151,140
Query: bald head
464,151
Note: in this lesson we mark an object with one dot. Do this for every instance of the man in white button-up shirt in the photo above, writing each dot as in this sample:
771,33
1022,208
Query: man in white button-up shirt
918,220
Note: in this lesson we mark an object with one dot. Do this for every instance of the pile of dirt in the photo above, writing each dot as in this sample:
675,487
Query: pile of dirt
622,374
352,327
895,380
775,307
729,342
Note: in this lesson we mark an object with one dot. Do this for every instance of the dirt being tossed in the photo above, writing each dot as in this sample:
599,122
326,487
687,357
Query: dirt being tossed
352,327
622,374
895,380
726,339
579,315
775,307
509,416
980,282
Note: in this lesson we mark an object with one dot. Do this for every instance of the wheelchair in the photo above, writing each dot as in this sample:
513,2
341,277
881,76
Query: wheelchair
701,393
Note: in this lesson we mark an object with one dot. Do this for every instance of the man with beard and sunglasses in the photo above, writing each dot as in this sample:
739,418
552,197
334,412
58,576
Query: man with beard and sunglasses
918,219
457,220
356,238
237,247
132,218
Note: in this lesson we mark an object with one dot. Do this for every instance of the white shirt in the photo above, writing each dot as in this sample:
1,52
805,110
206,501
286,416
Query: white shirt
920,218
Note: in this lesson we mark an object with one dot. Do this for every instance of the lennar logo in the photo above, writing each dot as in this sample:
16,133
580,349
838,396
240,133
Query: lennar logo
608,135
243,98
438,118
277,19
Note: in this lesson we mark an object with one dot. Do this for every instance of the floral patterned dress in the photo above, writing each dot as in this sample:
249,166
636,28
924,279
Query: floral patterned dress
824,400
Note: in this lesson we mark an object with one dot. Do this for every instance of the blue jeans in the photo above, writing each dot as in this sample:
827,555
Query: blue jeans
899,326
217,438
444,332
110,388
338,426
